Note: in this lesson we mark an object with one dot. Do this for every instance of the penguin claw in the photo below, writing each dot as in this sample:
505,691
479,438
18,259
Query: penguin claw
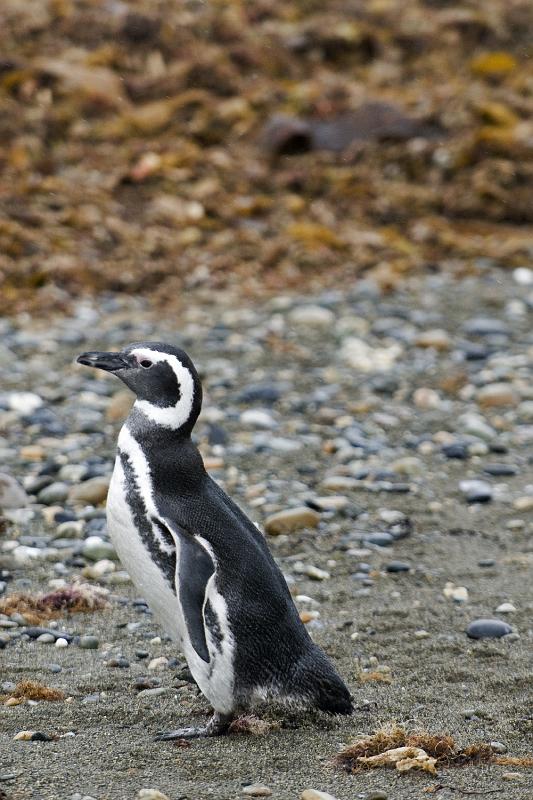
217,726
182,733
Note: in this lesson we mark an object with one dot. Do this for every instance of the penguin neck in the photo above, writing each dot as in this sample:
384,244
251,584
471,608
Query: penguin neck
167,449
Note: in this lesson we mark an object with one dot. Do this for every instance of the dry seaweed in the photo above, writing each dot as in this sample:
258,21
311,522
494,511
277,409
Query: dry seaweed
31,690
365,752
422,114
250,724
77,598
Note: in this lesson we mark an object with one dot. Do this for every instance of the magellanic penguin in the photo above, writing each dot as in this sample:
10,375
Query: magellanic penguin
202,565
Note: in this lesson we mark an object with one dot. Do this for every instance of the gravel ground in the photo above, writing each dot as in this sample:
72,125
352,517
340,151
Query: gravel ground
405,420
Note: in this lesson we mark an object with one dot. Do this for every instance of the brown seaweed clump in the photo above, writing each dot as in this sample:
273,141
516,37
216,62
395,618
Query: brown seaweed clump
383,747
74,599
31,690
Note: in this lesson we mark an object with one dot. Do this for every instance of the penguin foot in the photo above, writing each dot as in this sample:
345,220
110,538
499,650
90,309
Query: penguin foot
217,726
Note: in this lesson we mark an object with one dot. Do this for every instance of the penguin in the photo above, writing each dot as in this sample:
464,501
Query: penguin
203,566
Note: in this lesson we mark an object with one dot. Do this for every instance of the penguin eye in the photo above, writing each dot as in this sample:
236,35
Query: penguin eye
145,363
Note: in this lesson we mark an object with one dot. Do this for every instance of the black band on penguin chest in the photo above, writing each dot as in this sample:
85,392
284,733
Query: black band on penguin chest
165,561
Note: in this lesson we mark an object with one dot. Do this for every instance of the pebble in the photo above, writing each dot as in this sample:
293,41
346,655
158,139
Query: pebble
46,638
314,794
88,642
120,662
438,339
119,406
151,794
488,629
90,492
97,549
457,593
497,395
56,492
257,418
12,495
381,539
476,491
293,519
397,566
362,357
24,403
61,642
161,662
312,317
506,608
498,747
256,790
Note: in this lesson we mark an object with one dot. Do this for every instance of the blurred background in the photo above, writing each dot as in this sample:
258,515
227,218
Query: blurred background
163,147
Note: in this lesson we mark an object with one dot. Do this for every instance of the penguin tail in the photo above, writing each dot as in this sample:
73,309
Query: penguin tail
320,682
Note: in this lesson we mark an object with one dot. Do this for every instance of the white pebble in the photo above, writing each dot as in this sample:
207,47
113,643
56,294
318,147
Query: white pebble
60,642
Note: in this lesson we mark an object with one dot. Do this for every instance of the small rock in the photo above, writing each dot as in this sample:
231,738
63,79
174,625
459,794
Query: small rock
457,593
397,566
476,491
314,794
90,492
506,608
362,357
46,638
256,790
381,539
24,403
312,317
293,519
498,747
257,418
56,492
488,629
497,395
341,483
96,549
61,642
119,407
96,570
426,398
438,339
12,495
118,662
151,794
158,663
524,503
88,642
485,326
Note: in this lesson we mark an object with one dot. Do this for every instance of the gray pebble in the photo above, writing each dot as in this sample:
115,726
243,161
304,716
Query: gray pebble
488,629
88,642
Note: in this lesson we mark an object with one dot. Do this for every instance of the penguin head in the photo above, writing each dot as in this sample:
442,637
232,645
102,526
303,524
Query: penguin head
167,385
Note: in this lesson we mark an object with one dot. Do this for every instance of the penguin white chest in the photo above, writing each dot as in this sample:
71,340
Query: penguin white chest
153,562
135,557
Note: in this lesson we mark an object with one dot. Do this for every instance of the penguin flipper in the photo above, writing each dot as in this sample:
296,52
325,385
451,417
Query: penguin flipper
194,568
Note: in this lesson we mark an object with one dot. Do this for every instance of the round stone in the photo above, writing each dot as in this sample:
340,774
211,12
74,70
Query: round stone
119,662
12,495
293,519
502,470
57,492
381,539
88,642
476,491
457,450
60,642
256,790
397,566
90,492
46,638
488,629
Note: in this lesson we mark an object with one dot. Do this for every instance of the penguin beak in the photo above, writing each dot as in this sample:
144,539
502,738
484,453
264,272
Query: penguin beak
111,362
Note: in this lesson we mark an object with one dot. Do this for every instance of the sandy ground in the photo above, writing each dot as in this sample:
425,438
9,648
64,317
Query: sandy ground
445,682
